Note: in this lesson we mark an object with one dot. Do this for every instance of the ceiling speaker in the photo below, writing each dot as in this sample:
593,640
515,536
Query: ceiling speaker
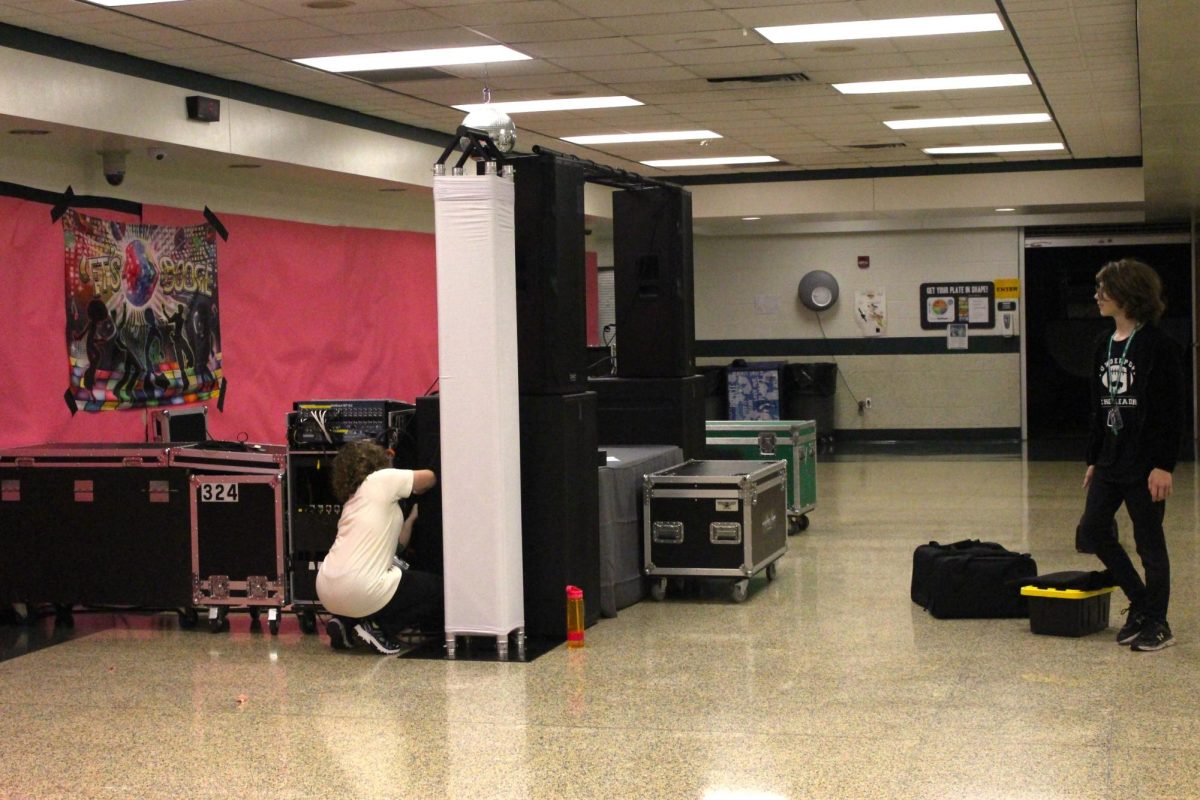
818,290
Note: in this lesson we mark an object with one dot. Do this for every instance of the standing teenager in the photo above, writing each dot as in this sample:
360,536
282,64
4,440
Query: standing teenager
1133,443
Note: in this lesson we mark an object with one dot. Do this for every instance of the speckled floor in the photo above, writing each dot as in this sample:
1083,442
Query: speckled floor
828,683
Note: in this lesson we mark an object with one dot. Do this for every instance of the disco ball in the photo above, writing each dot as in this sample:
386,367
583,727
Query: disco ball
496,124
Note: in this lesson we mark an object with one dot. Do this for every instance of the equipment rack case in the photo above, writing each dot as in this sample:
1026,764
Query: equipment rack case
313,515
237,530
714,519
793,440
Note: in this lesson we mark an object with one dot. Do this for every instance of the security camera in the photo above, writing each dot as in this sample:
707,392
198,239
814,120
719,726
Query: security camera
157,153
113,162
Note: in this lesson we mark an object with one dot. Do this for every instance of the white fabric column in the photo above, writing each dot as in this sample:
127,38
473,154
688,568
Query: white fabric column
480,444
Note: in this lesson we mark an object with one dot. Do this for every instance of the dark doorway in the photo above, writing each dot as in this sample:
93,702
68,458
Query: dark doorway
1062,324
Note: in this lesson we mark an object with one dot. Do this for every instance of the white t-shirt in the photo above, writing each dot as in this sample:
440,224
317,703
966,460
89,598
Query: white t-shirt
357,577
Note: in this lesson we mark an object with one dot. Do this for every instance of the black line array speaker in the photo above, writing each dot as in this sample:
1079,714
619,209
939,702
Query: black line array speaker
652,260
652,411
560,509
551,294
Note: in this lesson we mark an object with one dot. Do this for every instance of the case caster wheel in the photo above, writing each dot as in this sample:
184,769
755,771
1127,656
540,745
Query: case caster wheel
802,523
658,589
273,621
188,618
218,620
255,613
740,591
772,570
308,621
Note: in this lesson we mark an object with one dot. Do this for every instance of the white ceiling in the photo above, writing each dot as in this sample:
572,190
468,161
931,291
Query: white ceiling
1082,54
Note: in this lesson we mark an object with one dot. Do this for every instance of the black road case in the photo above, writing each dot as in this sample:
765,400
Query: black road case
714,519
94,524
237,530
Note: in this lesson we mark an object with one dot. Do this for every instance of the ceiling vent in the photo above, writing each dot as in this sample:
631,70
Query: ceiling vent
783,77
877,146
401,75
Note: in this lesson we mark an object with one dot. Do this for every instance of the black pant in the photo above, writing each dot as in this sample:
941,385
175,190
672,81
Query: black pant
418,602
1103,499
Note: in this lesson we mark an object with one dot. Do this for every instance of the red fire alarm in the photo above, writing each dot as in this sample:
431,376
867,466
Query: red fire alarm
864,262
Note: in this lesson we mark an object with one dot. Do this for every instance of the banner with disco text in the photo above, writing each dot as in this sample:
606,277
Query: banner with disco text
142,323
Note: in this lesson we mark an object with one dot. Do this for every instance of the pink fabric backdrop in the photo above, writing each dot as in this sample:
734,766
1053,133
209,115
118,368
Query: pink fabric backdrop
307,312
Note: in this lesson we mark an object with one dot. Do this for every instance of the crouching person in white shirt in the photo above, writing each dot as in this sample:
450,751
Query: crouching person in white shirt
372,595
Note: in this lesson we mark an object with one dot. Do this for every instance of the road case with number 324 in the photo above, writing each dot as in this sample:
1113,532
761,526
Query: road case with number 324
238,546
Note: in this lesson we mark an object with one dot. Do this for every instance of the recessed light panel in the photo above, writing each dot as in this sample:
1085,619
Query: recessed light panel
656,136
566,104
953,122
441,57
991,148
935,84
882,28
709,162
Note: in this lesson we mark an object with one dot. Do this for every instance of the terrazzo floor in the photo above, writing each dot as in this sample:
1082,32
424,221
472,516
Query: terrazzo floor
827,683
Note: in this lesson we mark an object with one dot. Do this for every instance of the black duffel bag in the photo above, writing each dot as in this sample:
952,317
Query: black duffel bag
925,556
971,579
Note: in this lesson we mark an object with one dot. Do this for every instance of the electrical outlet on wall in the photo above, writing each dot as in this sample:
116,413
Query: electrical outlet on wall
864,404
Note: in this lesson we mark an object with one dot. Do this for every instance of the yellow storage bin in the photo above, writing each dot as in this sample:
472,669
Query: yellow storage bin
1067,612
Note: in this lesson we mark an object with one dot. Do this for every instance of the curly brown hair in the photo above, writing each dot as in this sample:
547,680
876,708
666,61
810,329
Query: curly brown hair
1133,286
353,463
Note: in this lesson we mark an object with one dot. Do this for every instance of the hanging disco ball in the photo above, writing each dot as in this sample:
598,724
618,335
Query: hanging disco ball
496,124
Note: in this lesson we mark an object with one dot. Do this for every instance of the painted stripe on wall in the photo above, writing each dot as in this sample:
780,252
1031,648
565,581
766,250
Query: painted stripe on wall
888,346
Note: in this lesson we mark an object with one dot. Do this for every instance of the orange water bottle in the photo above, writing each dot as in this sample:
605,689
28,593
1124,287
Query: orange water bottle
574,616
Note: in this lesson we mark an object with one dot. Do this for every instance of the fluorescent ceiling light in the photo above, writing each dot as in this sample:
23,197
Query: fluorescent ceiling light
406,59
991,148
111,3
953,122
566,104
1006,209
750,219
705,162
934,84
625,138
882,28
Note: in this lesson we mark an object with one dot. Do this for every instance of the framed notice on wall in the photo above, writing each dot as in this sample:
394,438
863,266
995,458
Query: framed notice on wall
972,304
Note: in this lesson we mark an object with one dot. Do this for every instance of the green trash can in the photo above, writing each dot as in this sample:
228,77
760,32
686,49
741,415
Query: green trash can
790,440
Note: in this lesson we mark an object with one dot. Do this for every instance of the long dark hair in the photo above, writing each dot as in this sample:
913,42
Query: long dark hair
353,463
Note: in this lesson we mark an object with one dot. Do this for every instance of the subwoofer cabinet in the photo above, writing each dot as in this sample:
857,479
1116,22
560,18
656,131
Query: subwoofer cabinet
651,411
560,509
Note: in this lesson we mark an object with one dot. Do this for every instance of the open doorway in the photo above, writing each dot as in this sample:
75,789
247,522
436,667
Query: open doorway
1062,324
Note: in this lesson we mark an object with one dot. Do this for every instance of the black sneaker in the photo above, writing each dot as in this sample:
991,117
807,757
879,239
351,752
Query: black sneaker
371,634
339,634
1155,636
1132,627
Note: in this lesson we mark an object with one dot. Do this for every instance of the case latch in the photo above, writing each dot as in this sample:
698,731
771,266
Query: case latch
10,491
85,491
766,443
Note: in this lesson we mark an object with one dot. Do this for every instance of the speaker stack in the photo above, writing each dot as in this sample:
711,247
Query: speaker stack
656,396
